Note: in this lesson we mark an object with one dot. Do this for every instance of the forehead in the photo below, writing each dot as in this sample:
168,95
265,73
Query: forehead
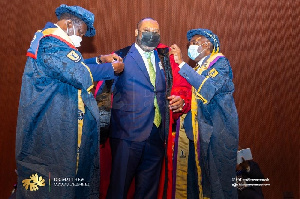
149,25
197,38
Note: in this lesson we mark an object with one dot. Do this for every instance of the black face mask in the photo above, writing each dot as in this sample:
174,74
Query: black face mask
150,39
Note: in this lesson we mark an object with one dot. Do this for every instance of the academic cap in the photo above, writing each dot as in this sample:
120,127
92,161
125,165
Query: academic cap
213,38
81,13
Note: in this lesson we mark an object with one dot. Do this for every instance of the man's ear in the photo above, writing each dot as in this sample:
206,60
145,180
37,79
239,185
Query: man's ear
69,23
136,32
64,24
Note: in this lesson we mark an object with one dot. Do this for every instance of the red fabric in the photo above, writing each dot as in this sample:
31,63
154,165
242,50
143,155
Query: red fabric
170,150
28,54
97,88
160,45
170,146
183,89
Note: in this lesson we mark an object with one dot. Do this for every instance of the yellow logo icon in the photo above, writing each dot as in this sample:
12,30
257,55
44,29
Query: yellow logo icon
213,73
33,182
73,56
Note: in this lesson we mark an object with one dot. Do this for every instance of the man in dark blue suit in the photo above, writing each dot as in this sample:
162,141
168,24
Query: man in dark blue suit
137,122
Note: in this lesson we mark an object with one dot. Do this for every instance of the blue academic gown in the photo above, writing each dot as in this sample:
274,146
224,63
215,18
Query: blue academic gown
48,115
218,127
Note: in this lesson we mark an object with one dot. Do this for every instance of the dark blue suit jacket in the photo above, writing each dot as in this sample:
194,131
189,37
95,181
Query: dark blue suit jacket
133,102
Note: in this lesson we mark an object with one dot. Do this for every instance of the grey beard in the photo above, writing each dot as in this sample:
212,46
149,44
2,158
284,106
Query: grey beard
143,47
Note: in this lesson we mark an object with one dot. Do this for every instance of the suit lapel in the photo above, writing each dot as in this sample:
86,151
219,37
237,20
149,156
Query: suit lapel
134,53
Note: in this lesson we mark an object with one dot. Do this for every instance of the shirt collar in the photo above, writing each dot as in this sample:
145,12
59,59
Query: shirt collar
61,33
141,51
201,61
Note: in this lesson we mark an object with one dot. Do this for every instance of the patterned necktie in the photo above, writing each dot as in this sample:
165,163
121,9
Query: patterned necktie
152,74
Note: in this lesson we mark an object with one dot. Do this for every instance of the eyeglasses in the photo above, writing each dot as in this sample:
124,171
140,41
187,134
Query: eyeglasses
197,43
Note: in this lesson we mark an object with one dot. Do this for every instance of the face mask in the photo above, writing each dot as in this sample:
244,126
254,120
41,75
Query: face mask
193,51
75,38
150,39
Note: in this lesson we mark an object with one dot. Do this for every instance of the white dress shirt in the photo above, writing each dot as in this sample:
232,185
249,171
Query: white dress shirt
142,53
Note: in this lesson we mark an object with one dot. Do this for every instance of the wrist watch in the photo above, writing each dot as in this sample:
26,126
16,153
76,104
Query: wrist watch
99,59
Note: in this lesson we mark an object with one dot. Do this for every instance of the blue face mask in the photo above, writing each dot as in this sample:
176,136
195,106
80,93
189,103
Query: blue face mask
193,52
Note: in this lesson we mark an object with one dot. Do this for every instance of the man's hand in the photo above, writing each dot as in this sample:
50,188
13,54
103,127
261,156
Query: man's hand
110,58
176,103
118,66
175,50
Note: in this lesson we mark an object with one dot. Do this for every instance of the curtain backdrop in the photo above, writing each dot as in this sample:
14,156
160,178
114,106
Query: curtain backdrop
260,39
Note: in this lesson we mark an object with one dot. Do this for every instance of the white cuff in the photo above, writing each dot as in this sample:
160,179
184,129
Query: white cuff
180,65
97,61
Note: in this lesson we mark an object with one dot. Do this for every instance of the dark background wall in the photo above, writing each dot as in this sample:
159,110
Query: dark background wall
260,38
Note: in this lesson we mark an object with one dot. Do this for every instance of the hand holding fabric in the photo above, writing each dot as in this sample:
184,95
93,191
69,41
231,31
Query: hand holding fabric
118,66
176,103
175,50
109,58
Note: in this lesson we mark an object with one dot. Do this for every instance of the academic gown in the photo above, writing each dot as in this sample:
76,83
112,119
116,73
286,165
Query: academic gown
57,138
217,127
